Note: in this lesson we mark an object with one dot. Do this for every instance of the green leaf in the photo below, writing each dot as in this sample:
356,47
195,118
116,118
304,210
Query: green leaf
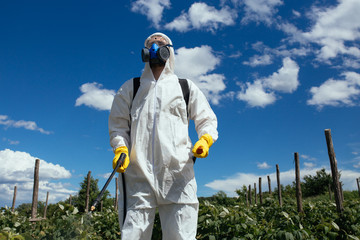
285,214
335,226
289,236
75,211
353,237
222,214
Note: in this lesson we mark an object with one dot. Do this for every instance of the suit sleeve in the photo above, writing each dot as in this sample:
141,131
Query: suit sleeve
119,118
200,111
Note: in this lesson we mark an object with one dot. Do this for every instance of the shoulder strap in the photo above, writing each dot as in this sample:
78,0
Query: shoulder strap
185,90
136,85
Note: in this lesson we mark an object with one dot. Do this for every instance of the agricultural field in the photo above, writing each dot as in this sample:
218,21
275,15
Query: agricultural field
220,217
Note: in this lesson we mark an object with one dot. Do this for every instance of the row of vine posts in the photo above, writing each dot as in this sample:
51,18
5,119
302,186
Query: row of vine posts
338,193
334,172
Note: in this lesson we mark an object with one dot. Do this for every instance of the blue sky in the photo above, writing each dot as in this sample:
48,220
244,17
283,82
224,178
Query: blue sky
277,74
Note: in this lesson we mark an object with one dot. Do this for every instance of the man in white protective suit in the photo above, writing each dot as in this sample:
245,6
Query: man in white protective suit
151,123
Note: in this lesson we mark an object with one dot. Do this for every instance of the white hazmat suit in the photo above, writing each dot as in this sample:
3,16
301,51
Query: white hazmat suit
154,127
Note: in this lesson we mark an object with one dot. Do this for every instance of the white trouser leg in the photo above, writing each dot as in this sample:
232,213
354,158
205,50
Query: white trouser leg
138,224
179,221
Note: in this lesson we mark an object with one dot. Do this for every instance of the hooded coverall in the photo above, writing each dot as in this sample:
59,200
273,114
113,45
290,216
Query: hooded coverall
154,127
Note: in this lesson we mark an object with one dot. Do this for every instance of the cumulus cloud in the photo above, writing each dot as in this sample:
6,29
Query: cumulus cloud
255,95
307,157
263,165
152,9
94,96
181,23
230,184
257,60
344,92
262,92
202,16
286,79
260,11
28,125
268,54
309,165
212,84
18,170
336,29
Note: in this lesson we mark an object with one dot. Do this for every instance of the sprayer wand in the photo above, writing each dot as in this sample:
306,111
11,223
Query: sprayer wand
118,164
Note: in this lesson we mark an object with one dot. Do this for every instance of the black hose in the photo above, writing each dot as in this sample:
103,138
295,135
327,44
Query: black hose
124,194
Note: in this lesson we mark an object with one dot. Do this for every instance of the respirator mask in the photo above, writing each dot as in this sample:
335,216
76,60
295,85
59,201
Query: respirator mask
156,54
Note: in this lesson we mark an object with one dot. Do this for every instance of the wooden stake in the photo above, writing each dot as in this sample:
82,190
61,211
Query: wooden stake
358,184
14,199
278,184
70,199
87,192
46,205
298,183
334,171
269,183
250,197
260,191
247,199
255,193
35,190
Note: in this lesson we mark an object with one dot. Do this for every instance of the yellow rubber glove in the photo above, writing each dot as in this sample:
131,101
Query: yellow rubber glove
201,148
126,162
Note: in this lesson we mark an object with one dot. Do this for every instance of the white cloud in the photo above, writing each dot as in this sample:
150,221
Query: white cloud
230,184
307,157
267,53
295,35
152,9
181,23
29,125
11,142
309,165
296,13
263,165
94,96
257,60
18,170
202,16
351,63
286,79
203,58
335,28
260,10
357,165
236,54
337,92
105,175
255,95
262,92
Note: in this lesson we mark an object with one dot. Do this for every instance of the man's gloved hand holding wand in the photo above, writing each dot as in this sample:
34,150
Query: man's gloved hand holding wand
201,147
118,152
